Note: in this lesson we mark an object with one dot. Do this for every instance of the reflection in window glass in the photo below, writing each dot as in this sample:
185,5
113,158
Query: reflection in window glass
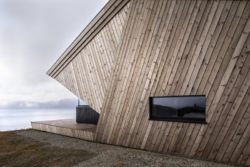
178,108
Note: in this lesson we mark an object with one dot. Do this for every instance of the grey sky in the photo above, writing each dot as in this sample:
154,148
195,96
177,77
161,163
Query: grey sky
62,104
33,34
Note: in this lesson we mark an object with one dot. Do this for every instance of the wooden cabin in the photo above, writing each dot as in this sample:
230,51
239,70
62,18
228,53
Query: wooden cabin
134,50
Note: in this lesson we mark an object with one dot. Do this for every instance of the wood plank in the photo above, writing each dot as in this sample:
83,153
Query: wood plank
230,145
123,119
226,149
229,110
67,127
103,17
143,115
125,76
198,63
164,48
102,125
222,79
215,67
150,38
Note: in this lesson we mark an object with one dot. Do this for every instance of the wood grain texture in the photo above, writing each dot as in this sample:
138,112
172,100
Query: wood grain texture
66,127
166,48
89,73
93,28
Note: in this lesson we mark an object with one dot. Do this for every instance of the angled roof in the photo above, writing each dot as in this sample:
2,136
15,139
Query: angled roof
99,21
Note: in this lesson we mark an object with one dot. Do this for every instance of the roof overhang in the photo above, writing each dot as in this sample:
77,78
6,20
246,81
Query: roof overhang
91,30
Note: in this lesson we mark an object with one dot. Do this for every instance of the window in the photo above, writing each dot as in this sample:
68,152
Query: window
178,108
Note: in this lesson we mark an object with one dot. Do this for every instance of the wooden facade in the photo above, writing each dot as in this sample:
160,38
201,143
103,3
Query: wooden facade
135,49
67,127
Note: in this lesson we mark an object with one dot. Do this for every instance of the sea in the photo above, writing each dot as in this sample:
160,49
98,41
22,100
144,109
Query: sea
15,119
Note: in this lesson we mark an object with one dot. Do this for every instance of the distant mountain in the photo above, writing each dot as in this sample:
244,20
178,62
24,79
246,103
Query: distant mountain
164,111
187,110
161,111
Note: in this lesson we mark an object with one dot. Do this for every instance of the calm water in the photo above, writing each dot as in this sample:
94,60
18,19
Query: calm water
21,118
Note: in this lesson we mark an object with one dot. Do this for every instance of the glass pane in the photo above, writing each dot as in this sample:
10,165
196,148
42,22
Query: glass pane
183,107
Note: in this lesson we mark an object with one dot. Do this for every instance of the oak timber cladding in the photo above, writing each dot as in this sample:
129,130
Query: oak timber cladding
174,47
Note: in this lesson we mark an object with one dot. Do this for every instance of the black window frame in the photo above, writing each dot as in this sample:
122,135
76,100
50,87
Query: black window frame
180,119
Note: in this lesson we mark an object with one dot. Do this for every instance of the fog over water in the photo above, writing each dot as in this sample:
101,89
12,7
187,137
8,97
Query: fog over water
14,119
33,34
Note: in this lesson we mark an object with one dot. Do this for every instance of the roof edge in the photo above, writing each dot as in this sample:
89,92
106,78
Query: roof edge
111,8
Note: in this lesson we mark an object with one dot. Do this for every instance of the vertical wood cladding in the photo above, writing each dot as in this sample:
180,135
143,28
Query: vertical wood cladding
165,48
89,73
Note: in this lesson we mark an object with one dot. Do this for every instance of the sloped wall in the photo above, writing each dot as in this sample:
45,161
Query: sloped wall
88,74
174,47
183,48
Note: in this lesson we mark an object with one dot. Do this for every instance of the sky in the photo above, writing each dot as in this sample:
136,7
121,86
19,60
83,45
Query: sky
33,34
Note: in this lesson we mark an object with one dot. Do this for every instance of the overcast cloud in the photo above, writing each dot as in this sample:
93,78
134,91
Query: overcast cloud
62,104
33,34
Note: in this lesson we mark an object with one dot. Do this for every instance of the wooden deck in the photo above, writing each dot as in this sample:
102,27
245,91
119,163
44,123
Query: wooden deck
67,127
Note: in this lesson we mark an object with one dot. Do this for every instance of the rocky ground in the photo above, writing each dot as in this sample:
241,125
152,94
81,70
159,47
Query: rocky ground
35,148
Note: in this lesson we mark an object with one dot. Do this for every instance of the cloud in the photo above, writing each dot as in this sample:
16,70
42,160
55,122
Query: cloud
60,104
33,34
